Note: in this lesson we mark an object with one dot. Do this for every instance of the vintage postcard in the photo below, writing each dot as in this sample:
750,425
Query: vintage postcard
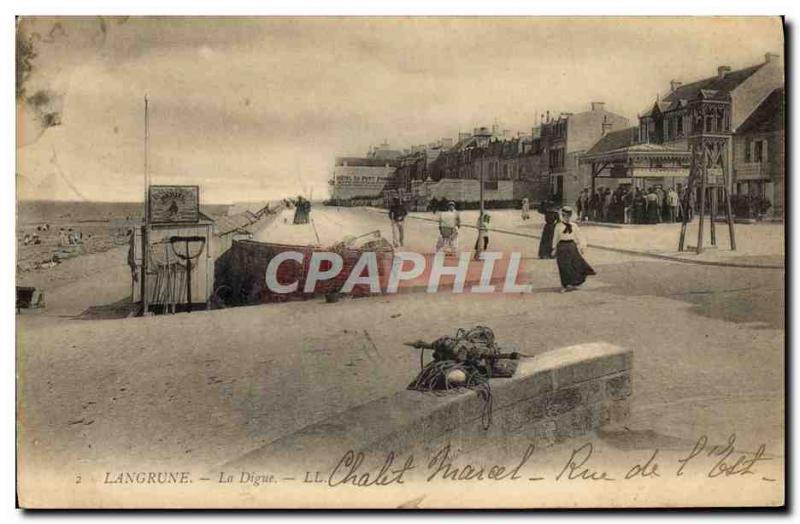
400,262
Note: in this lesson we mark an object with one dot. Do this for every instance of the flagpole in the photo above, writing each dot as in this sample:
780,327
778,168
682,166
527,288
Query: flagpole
145,228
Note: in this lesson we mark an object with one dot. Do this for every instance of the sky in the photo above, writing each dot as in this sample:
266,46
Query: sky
258,108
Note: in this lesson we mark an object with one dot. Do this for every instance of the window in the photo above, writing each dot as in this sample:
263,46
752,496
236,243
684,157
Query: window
679,122
748,151
556,158
758,151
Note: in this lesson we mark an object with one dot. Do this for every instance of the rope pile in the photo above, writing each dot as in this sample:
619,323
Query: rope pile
470,352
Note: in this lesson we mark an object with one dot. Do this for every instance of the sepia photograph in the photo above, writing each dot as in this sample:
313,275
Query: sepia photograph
400,262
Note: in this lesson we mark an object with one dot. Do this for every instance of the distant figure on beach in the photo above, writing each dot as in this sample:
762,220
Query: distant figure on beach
62,238
302,211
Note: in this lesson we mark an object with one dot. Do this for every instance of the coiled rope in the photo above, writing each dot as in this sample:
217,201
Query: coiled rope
433,377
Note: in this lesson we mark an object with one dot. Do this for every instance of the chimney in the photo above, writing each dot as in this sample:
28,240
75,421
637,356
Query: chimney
598,106
722,71
674,84
548,116
771,57
605,126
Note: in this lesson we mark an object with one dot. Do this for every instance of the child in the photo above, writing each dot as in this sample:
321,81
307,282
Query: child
483,233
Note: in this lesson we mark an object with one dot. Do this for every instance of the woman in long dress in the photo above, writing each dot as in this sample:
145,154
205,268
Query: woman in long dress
652,207
550,213
568,249
302,211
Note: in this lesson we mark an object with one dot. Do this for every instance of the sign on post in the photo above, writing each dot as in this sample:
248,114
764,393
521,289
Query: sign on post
174,204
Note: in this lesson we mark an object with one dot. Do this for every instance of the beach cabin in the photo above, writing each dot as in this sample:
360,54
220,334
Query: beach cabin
178,271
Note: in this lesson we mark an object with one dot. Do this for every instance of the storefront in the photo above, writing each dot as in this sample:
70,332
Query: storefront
638,165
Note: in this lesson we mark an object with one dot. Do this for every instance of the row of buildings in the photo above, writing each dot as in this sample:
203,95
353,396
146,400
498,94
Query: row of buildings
565,153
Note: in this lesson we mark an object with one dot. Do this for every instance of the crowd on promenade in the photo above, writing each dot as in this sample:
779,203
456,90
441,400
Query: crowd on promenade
624,205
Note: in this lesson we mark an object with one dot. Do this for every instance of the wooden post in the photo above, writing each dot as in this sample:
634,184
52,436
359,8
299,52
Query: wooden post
686,201
728,211
188,279
703,174
713,215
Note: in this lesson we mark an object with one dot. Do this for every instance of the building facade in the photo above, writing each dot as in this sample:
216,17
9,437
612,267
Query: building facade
565,138
363,177
658,151
540,166
759,157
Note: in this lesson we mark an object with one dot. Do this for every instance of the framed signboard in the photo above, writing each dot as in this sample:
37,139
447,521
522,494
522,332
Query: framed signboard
174,204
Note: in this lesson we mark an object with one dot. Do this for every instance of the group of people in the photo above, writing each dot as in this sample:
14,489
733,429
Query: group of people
449,226
33,238
69,237
624,205
66,237
561,237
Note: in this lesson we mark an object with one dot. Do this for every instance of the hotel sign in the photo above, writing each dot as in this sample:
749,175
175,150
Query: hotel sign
174,204
658,172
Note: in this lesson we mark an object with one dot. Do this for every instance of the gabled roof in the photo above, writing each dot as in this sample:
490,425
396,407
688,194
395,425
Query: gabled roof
661,105
614,140
712,87
621,145
463,144
725,85
768,116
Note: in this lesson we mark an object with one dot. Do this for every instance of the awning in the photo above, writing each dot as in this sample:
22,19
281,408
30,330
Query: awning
639,152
